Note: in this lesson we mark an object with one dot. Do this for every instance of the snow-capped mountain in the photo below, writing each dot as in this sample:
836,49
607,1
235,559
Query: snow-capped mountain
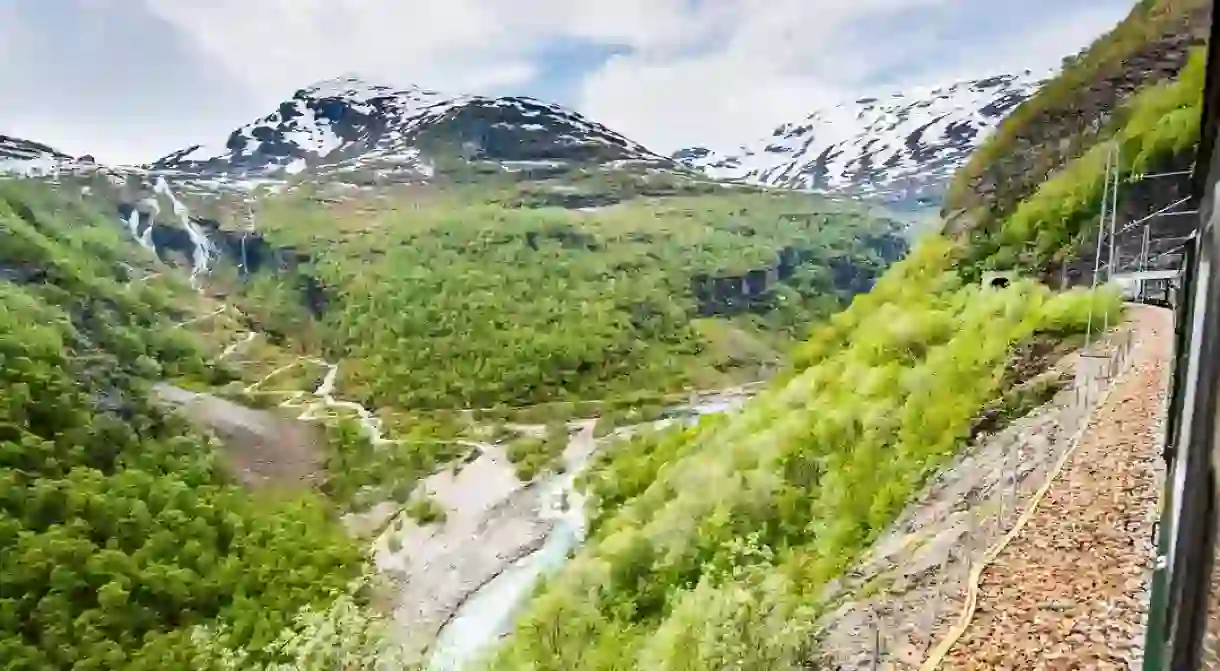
15,148
346,125
900,149
27,157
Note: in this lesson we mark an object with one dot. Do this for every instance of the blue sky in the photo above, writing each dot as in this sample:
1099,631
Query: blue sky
130,80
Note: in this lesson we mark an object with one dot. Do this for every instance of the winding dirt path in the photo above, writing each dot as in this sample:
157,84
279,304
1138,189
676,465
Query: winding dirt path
1070,592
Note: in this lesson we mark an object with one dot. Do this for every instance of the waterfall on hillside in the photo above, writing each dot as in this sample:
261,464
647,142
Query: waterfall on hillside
154,209
203,246
146,240
133,223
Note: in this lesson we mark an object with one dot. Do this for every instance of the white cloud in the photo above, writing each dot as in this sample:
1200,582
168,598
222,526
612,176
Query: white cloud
276,46
157,75
798,55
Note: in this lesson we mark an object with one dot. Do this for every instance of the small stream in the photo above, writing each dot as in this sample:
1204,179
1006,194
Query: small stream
487,615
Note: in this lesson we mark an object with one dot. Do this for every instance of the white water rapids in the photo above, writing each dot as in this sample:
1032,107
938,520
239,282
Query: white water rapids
488,613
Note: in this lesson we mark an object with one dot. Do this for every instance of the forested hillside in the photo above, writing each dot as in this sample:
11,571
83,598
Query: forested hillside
451,299
1160,124
1091,101
126,526
119,530
712,543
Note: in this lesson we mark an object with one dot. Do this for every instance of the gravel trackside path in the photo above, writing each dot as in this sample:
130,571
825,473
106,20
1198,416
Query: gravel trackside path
1070,591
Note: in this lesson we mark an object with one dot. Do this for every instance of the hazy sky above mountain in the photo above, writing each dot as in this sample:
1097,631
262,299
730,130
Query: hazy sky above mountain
131,80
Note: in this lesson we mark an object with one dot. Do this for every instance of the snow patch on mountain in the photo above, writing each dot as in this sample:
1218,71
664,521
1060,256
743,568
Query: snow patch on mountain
28,158
900,148
346,125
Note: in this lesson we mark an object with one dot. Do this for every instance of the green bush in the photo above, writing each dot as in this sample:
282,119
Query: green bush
360,473
532,456
425,510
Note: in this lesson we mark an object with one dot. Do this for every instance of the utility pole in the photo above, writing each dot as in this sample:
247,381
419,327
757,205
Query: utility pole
1101,234
1113,216
1143,264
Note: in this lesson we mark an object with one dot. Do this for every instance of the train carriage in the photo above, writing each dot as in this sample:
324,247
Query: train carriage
1184,620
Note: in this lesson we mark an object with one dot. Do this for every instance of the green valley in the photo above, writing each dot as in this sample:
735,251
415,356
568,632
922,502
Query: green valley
396,395
440,301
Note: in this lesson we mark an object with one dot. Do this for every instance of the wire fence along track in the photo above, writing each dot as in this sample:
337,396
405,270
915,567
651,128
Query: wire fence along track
938,654
1108,212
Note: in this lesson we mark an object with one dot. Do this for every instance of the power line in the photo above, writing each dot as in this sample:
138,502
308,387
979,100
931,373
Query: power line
1160,212
1176,173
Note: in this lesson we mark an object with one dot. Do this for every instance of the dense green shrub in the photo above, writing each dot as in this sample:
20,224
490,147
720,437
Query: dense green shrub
425,510
360,473
532,456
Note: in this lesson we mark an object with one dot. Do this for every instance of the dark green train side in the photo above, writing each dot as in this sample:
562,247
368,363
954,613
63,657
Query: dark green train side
1184,618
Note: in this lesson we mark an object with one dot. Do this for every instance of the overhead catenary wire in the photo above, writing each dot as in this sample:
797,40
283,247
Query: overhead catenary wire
1175,173
1164,211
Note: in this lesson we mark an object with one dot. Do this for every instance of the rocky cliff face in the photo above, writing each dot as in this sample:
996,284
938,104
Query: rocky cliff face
1073,111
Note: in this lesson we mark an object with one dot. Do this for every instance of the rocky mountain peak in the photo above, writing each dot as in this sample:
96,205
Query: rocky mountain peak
348,125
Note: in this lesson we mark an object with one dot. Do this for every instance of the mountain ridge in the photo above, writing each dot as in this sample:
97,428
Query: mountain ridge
347,125
899,149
